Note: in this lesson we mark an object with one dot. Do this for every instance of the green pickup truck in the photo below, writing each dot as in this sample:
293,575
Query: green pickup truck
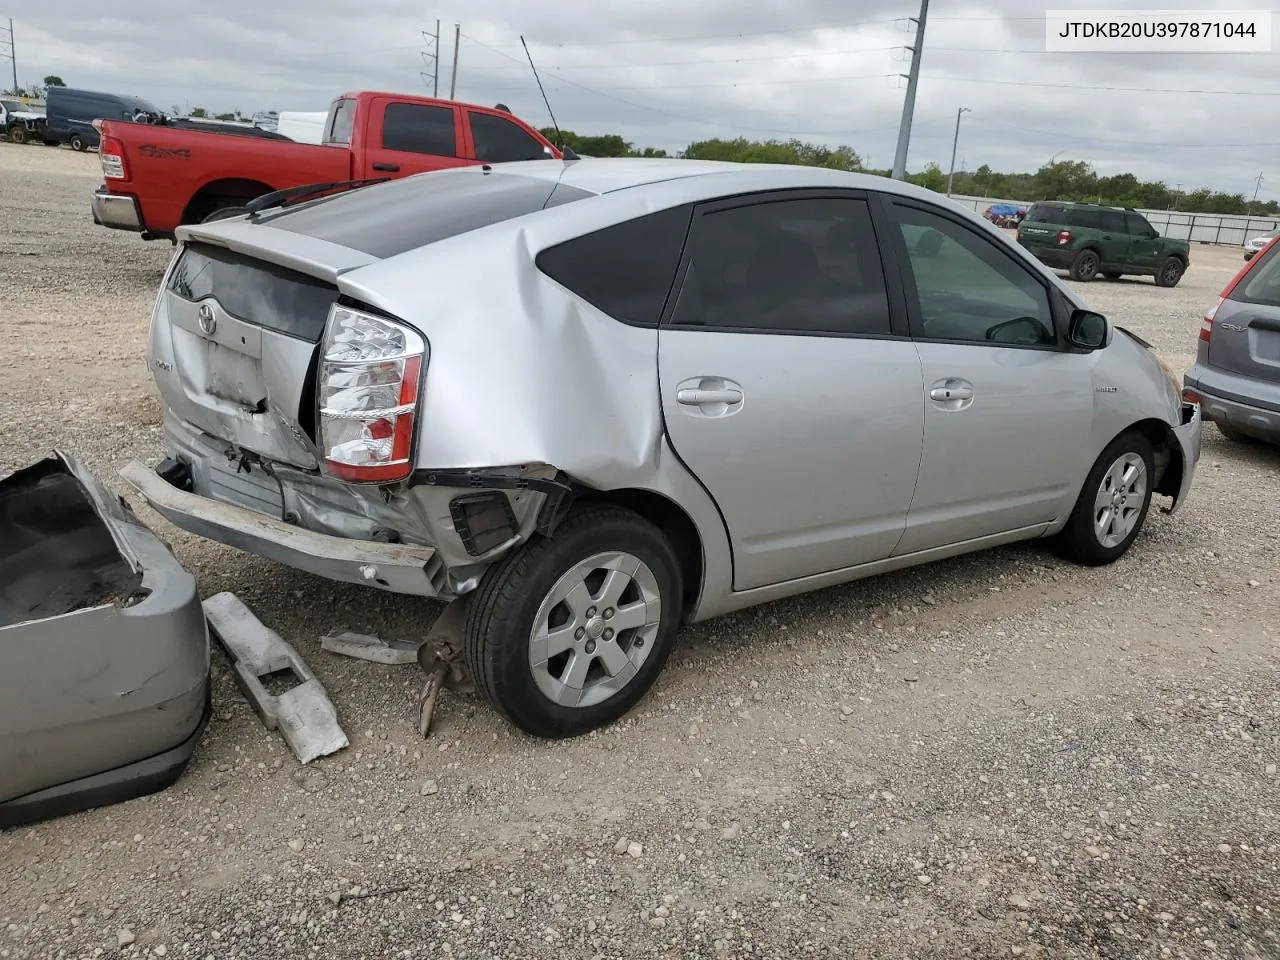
1088,240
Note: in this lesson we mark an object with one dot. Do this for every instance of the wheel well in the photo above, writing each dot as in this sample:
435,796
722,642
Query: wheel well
1168,463
678,527
221,193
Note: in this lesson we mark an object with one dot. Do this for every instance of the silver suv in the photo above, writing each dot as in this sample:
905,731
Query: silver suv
1236,376
590,400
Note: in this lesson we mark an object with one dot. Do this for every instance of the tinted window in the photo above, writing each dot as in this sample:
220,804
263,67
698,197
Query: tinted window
390,218
1111,221
1084,217
968,287
342,116
803,266
1138,226
255,291
1045,213
415,128
499,141
624,270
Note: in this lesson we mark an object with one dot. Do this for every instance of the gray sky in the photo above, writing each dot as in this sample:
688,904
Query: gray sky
665,72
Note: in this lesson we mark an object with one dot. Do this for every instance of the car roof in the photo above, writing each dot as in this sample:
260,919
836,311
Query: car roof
601,175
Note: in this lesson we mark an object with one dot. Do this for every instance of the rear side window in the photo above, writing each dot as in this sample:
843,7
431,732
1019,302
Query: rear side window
388,219
625,270
1112,221
415,128
1084,217
342,116
803,266
1262,285
501,141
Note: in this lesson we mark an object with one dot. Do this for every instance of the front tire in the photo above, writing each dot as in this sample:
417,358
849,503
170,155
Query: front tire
1085,266
1112,507
17,133
1170,272
567,633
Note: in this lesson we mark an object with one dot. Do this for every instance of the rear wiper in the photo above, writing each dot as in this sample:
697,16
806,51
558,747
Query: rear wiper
278,198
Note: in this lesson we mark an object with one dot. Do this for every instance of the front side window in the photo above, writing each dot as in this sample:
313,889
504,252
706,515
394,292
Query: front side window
415,128
501,141
1139,226
809,266
968,289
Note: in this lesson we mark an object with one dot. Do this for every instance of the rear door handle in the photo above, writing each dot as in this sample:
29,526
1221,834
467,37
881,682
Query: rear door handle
951,393
388,167
696,396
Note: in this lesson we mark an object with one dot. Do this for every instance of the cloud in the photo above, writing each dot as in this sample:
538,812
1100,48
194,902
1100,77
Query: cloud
664,73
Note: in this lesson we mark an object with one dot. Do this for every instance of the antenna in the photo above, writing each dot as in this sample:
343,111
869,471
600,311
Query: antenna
559,135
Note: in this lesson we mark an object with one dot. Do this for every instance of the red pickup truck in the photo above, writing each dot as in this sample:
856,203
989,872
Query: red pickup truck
158,177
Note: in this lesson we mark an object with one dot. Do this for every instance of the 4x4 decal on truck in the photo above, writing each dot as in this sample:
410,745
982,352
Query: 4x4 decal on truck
165,153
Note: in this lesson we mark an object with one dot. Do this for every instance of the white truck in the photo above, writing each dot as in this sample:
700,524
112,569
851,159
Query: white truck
21,122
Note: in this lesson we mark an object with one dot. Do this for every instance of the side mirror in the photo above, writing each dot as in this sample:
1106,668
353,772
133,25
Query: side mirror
1087,330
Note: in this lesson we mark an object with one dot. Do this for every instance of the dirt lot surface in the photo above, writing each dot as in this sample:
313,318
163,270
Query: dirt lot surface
1001,755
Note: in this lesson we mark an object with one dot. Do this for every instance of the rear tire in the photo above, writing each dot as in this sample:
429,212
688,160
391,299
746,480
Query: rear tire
225,213
1112,507
1170,272
1085,266
77,143
1231,434
538,640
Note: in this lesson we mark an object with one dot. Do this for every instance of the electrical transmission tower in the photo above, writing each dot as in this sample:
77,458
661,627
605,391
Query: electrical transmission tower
432,59
7,51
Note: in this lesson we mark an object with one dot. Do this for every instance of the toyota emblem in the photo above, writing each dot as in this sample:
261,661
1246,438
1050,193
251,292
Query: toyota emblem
207,321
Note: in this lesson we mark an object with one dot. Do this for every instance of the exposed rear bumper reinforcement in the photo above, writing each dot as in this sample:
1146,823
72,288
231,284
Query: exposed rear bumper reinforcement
304,714
398,567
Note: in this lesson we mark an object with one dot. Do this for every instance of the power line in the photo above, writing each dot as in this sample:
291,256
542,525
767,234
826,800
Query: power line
701,61
1085,86
1125,140
688,117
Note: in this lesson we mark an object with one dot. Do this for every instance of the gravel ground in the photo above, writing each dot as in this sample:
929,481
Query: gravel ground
1000,755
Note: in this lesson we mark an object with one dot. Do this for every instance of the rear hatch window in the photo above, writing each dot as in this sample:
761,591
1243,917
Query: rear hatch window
389,219
1045,213
1246,334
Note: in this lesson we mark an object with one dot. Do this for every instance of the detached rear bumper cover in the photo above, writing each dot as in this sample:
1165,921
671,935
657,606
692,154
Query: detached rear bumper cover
104,651
116,211
1188,437
402,568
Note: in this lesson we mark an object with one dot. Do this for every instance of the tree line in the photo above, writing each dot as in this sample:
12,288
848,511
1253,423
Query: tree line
1060,180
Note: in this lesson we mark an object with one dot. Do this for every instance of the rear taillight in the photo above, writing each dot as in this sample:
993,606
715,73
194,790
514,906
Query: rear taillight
111,155
1206,322
1064,236
370,373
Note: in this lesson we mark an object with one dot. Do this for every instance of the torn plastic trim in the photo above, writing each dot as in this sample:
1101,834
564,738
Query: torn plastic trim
559,493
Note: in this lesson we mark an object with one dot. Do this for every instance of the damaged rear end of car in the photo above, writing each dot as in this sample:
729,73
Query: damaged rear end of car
294,401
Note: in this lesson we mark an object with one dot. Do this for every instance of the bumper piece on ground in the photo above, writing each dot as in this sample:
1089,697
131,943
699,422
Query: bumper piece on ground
304,714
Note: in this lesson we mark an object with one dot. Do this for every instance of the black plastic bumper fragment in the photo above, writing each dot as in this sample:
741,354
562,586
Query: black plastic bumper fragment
559,494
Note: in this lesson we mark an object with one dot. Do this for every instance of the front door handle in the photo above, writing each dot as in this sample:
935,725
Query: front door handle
696,396
958,392
388,167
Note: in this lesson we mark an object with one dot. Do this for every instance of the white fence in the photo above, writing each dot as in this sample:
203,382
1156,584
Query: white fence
1196,227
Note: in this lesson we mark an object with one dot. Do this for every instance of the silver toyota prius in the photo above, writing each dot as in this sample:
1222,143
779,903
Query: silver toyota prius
587,401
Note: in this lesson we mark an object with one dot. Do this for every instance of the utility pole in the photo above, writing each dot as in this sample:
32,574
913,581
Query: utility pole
909,103
13,57
453,83
1257,183
955,142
